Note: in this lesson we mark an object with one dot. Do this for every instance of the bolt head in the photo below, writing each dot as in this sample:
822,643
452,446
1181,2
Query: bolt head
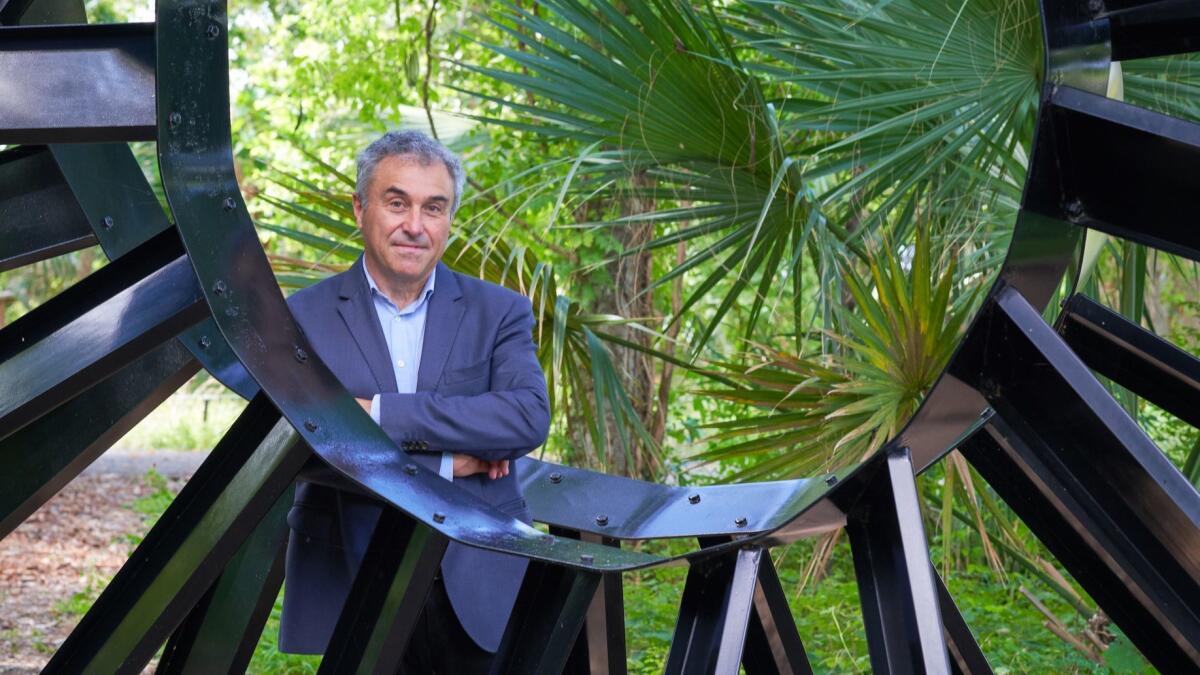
586,557
740,521
300,354
174,119
229,204
213,30
831,480
601,520
693,499
439,517
410,469
205,342
310,425
107,221
219,288
556,478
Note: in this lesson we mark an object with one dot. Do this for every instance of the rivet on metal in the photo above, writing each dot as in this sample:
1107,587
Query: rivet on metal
213,30
601,520
219,288
205,342
556,478
300,354
410,469
174,119
548,538
310,425
693,499
740,521
229,204
1075,209
107,221
585,557
439,517
831,479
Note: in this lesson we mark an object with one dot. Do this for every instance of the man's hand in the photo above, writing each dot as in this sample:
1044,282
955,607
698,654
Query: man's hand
469,465
365,403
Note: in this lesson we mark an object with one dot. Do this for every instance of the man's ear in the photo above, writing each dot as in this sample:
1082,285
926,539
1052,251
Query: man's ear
358,209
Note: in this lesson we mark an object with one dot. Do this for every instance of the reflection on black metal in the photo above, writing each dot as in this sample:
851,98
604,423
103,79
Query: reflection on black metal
194,290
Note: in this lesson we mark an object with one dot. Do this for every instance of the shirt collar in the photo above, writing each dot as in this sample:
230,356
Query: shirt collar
426,291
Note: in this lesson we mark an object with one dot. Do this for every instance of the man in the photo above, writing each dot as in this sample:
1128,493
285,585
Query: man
446,364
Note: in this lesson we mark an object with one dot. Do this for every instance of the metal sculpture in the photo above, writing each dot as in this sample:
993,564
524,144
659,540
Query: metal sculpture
1018,397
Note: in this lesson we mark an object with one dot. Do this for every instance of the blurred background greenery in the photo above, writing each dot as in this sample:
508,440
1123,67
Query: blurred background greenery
753,232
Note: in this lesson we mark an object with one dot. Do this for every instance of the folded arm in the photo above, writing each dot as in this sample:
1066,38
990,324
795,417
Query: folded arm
506,422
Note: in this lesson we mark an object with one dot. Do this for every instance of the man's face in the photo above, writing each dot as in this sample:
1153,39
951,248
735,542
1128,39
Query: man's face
406,219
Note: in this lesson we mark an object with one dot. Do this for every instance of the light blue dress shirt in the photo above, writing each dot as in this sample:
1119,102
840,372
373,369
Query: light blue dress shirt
404,332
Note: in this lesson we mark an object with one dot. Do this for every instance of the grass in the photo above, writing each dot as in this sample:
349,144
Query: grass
191,419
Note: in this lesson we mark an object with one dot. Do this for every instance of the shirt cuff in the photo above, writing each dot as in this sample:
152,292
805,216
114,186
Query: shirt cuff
446,470
375,408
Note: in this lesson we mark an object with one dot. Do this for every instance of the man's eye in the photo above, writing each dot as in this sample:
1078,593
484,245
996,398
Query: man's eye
434,209
395,204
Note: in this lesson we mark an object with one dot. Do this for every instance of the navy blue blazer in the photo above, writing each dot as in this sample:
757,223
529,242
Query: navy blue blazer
480,391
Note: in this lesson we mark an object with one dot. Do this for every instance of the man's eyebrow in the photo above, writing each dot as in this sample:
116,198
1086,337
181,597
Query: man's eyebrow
393,190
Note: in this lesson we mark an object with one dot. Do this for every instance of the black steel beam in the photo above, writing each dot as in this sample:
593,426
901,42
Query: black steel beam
773,645
1088,482
966,658
189,546
39,218
114,331
1133,357
600,647
387,597
31,12
221,632
1146,28
549,612
77,83
714,612
895,578
37,461
1120,169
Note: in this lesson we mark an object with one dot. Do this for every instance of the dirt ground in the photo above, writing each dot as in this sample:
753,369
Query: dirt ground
57,561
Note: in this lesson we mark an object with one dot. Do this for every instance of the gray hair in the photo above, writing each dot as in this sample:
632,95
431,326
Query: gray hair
408,144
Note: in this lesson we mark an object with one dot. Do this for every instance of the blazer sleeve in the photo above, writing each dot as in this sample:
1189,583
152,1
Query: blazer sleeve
505,423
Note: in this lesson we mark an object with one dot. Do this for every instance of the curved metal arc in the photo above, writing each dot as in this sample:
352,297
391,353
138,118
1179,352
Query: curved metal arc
196,163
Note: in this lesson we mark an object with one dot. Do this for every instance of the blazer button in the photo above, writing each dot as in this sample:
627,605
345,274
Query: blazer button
424,445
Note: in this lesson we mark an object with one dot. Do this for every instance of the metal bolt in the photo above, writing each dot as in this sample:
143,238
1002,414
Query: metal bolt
548,538
410,469
174,120
693,499
213,30
229,204
439,517
310,425
740,521
556,478
219,288
586,557
300,354
1075,209
107,221
205,342
601,520
831,480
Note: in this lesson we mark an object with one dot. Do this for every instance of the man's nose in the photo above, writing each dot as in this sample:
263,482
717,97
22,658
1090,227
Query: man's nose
412,223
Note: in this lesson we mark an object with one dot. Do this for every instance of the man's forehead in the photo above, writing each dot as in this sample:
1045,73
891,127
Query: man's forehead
392,170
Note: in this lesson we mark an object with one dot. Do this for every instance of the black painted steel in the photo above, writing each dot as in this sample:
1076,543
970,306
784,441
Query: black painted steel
1090,484
1133,357
546,619
99,342
773,644
1145,28
718,599
966,658
38,217
74,435
77,84
895,578
187,549
387,598
600,647
220,633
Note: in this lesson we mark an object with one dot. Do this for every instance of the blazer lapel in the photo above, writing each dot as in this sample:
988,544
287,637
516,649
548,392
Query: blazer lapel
357,309
446,308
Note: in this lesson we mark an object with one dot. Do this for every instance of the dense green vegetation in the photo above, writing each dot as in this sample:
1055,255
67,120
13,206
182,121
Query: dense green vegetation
753,232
